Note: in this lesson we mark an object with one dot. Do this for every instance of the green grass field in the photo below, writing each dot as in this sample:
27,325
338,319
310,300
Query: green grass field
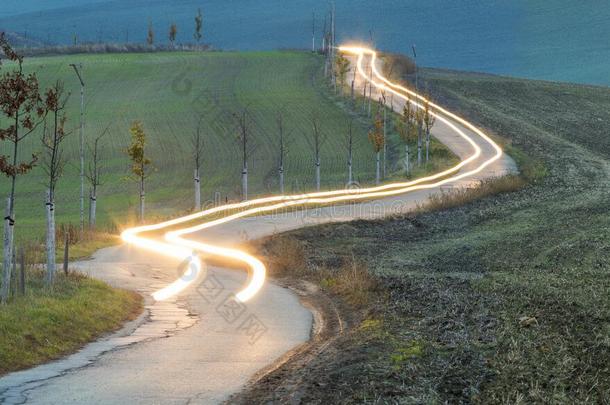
169,92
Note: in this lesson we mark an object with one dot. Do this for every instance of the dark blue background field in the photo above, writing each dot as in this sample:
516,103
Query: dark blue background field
562,40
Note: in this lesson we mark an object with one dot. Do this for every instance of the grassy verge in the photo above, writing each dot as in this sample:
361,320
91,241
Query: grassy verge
485,296
46,324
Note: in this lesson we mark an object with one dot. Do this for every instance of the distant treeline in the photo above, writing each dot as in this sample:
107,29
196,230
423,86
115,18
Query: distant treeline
108,48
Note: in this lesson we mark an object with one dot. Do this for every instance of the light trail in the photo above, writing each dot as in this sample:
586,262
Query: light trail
177,246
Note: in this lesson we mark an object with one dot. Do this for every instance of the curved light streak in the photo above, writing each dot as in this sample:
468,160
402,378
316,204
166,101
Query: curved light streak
181,248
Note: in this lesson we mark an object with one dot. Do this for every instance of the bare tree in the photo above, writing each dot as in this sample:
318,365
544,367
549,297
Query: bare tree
385,137
150,33
316,141
377,140
429,121
94,176
198,148
198,26
281,148
349,143
78,69
139,162
325,47
244,124
21,104
53,164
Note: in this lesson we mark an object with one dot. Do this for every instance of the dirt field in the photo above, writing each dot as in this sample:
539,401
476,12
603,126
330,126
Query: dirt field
504,299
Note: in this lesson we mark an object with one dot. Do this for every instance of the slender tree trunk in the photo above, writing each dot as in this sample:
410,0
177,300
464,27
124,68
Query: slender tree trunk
50,238
244,182
142,196
419,146
369,100
8,254
9,226
197,190
377,168
364,97
317,173
92,208
281,173
352,91
407,163
350,157
350,177
385,143
427,146
66,253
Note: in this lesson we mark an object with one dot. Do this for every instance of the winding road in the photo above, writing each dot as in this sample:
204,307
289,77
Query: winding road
207,330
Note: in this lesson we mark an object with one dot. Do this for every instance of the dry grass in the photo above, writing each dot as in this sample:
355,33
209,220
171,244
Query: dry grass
456,198
349,278
285,257
354,283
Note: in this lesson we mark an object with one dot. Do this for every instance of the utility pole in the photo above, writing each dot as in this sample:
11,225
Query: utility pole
313,32
324,36
370,76
332,43
78,69
415,61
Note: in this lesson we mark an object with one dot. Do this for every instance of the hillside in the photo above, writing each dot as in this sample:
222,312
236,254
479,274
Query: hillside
502,300
170,93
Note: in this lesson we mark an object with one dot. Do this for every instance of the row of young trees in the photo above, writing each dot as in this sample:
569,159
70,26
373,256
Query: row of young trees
412,124
173,30
25,107
415,124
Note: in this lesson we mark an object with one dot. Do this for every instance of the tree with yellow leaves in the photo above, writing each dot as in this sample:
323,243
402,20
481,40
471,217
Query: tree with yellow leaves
139,162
